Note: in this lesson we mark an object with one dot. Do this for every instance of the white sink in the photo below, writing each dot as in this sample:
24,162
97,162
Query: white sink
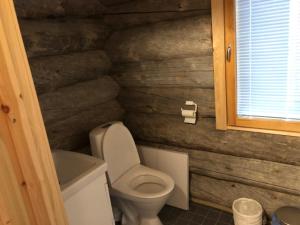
74,170
84,188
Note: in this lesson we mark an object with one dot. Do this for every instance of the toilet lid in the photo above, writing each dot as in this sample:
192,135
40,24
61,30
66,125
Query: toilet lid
119,151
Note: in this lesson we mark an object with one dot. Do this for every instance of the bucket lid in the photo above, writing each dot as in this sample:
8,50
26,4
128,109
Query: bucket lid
288,215
246,207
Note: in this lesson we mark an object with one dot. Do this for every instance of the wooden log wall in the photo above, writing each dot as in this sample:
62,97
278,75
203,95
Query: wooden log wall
64,40
162,55
34,9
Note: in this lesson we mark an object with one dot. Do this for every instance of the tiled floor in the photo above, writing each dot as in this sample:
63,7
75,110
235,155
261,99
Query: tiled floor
197,215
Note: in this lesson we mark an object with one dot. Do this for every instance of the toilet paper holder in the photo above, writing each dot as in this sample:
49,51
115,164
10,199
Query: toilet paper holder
190,115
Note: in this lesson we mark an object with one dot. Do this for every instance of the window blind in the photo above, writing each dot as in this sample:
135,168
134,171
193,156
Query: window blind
268,58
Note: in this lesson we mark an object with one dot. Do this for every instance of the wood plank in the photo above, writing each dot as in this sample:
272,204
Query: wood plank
72,132
181,72
218,34
230,65
67,101
223,193
146,6
188,37
32,9
168,129
53,72
287,133
12,207
59,36
22,129
166,100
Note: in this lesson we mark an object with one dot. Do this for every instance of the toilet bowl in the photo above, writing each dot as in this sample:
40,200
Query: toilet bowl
139,191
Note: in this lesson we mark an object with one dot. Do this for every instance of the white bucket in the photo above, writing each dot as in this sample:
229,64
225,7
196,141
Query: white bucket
247,212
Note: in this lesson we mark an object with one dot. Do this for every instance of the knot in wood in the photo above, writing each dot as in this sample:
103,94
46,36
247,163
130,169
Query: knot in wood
5,108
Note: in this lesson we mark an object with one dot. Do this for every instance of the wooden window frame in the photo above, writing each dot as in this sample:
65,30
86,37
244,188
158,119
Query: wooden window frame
223,30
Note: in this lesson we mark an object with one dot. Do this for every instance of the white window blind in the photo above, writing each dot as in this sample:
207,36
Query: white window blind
268,58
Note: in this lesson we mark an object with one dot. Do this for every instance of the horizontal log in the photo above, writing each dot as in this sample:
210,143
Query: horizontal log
57,8
223,193
167,100
146,6
72,132
168,129
58,36
52,72
86,8
113,2
39,9
190,37
267,175
189,72
70,100
124,20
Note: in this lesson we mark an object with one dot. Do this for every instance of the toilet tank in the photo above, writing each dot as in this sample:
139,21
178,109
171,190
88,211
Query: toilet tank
96,138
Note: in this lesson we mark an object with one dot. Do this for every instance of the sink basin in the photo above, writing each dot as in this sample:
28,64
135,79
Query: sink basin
75,170
84,188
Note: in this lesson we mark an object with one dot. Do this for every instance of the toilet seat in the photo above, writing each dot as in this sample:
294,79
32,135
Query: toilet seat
141,183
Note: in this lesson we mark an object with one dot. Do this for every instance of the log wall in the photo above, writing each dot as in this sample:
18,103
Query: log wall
34,9
64,40
162,55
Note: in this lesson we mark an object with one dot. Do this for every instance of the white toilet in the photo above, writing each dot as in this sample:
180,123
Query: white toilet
140,191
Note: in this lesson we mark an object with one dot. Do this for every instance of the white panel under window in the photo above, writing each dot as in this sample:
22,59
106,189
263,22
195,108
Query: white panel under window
268,58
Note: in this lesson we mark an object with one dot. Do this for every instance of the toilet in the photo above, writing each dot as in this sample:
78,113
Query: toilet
139,191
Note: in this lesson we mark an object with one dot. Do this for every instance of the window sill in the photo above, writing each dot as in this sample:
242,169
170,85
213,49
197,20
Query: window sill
286,133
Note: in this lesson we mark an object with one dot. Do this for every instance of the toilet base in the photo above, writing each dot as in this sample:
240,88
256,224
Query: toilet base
140,212
150,221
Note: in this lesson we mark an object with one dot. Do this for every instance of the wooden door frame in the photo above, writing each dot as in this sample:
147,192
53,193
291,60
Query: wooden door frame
29,189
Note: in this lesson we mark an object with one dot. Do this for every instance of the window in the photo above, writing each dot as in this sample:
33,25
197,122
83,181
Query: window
262,64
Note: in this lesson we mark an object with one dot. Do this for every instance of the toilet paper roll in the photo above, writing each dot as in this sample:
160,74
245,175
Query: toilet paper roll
187,113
